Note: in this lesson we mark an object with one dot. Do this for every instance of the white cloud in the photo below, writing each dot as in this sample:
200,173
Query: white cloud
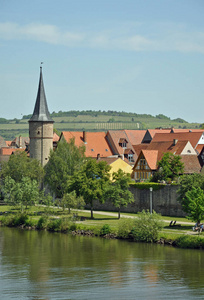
180,40
38,32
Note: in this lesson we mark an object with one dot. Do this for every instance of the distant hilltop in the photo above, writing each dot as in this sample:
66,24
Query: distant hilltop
94,113
91,120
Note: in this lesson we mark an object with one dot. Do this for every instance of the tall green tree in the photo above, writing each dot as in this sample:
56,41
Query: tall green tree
20,165
194,204
23,193
62,164
187,182
118,192
91,181
169,167
70,200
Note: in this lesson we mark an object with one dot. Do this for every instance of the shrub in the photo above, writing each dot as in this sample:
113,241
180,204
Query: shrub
192,242
17,220
105,230
146,227
7,220
72,227
54,225
21,219
42,223
124,228
61,225
146,185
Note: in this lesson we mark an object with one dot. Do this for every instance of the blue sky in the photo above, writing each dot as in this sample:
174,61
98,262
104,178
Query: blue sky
139,56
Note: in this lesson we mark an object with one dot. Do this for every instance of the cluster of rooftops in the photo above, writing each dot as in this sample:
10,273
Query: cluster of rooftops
135,151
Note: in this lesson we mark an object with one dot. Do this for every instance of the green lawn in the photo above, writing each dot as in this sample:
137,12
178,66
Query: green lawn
100,218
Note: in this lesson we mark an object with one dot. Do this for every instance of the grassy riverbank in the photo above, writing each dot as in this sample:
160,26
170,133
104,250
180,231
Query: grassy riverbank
105,224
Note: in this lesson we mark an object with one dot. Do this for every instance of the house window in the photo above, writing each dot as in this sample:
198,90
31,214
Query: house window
123,145
142,163
130,158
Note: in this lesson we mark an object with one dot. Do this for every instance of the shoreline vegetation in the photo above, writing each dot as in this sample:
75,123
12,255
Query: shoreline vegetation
131,227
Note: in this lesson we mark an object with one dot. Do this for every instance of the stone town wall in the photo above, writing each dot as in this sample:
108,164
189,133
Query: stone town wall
164,201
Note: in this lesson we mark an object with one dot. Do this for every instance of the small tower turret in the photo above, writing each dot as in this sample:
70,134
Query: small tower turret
41,127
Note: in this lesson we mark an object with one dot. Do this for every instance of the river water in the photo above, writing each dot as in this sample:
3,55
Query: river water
43,265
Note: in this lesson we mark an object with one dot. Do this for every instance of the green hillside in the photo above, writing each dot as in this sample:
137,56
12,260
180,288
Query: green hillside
95,121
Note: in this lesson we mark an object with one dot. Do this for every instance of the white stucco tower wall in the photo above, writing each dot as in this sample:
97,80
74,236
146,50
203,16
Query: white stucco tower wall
41,127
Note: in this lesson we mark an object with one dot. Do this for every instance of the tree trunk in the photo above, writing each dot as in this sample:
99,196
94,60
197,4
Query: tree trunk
91,209
119,213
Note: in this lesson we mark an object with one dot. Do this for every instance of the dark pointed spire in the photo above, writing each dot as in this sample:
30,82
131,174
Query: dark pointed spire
41,112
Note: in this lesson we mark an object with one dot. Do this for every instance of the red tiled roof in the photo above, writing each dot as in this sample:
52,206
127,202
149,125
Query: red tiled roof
140,147
191,164
109,160
8,143
55,137
128,151
135,136
167,146
155,151
151,157
114,137
199,148
9,151
177,130
192,137
155,131
95,144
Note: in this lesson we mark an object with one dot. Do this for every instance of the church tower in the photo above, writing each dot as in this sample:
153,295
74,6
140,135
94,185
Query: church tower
41,127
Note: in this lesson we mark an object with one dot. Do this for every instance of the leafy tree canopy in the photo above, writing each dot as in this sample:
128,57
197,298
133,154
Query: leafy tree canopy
23,193
193,204
70,200
118,192
187,182
91,181
186,190
169,167
20,165
62,164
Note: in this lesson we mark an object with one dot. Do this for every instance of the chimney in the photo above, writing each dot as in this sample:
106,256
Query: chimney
98,156
20,141
84,137
175,142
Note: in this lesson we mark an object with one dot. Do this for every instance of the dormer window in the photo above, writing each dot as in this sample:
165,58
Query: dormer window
123,143
128,153
130,158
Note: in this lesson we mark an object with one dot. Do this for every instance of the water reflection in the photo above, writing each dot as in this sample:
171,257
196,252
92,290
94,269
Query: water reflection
58,266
